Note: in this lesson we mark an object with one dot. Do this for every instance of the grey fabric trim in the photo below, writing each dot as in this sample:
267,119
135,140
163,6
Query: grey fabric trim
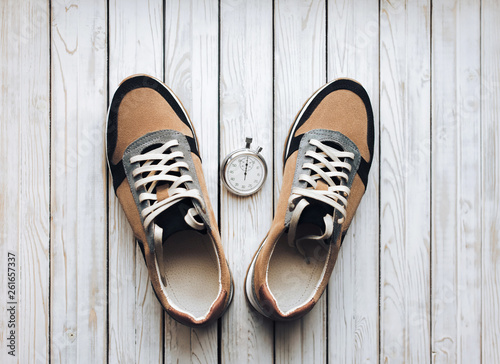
323,135
161,137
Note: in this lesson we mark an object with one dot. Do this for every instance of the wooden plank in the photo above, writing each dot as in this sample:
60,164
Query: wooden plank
10,196
24,159
405,181
33,98
246,76
135,315
192,71
490,172
300,69
78,204
352,51
456,182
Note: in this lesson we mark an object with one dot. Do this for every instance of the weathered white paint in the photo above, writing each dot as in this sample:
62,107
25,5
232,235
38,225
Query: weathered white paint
78,204
246,109
24,180
490,176
405,181
456,182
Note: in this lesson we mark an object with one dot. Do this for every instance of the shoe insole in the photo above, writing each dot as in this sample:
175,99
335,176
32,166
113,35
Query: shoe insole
291,279
190,271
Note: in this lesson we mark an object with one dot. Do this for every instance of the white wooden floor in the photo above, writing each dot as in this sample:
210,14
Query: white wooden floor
418,277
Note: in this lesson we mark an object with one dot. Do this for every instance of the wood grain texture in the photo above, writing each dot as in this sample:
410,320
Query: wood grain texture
405,181
246,109
456,182
192,72
24,181
490,173
135,315
78,244
300,69
33,100
352,51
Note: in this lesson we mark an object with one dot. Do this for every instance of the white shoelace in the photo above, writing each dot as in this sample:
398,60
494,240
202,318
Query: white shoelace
329,167
161,171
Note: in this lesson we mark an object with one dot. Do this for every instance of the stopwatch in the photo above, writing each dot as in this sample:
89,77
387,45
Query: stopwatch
244,170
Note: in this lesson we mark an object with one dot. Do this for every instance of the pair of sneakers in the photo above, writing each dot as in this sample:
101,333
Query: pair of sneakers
154,159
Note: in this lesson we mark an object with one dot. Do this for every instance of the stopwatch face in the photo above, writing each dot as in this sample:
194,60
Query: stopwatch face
245,174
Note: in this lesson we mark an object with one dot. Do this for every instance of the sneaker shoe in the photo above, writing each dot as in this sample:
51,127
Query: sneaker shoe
327,158
154,160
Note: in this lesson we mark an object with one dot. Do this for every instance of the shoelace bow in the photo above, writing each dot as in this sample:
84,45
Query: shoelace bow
163,165
329,166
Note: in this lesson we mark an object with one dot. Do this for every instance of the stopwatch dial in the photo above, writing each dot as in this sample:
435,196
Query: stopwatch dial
245,173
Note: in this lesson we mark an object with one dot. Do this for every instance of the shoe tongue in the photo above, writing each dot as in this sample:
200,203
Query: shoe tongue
315,211
172,219
314,214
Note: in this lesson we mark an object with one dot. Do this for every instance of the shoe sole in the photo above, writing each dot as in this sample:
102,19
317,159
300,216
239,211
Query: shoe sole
249,284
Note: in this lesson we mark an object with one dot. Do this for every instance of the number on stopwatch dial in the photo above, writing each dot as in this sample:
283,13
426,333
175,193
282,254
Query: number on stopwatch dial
245,173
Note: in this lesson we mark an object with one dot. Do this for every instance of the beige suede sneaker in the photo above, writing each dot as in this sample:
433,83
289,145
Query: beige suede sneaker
153,157
327,157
